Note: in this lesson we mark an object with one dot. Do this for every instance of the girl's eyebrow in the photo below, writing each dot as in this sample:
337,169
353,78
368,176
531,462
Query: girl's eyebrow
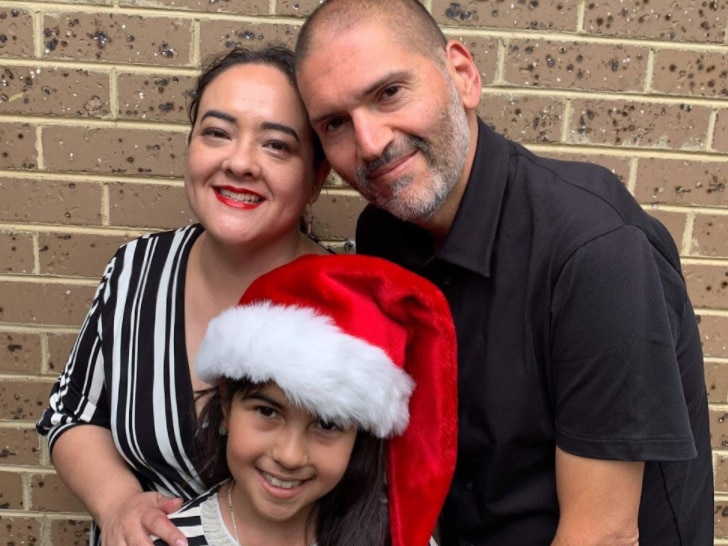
265,398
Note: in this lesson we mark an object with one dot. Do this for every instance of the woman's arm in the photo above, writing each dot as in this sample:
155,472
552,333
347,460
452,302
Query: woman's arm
87,461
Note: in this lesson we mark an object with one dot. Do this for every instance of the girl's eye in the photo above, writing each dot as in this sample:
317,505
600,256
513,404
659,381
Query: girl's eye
328,426
266,411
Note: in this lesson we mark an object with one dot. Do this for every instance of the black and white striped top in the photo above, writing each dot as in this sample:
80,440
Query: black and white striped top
128,369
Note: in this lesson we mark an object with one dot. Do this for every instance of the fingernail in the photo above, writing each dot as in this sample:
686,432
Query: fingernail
180,542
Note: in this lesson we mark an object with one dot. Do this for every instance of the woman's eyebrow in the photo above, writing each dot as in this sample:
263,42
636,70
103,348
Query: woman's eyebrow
273,126
219,115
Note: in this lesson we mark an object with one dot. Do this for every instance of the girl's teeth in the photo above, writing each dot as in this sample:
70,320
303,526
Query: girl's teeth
280,483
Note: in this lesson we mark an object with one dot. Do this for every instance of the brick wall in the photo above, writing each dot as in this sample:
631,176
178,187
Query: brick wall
92,143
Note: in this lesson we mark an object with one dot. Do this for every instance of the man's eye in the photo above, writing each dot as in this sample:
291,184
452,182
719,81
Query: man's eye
390,91
333,124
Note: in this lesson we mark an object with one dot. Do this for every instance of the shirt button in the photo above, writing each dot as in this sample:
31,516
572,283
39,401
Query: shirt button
469,486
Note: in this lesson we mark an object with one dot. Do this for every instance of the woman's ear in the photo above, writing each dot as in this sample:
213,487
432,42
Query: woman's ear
322,172
464,73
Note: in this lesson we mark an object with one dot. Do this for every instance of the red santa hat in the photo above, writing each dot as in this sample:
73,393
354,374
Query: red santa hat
355,340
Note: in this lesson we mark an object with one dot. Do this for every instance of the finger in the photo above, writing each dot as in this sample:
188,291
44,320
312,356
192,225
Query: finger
158,524
169,505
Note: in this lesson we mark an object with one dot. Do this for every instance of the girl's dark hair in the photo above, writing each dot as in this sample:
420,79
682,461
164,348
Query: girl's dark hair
276,56
354,513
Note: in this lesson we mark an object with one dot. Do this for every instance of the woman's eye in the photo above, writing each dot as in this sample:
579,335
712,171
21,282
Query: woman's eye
214,132
279,146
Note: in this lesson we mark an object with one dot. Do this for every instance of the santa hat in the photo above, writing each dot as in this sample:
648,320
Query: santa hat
355,340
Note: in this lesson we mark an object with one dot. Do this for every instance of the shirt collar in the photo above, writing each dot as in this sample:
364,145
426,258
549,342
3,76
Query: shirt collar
470,241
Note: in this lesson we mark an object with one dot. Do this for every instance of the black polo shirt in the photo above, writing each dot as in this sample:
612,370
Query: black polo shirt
574,329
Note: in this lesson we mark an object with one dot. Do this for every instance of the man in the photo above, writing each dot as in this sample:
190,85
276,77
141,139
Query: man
582,402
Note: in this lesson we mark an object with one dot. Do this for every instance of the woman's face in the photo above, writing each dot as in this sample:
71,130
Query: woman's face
250,167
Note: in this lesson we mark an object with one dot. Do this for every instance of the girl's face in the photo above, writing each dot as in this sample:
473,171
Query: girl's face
250,167
283,459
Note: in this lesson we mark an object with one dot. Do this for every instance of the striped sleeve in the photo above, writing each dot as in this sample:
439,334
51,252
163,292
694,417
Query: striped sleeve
78,395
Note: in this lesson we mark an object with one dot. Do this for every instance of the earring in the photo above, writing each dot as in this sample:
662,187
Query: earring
221,430
309,222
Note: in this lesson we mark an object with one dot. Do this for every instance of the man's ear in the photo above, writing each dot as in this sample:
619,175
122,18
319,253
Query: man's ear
322,171
464,72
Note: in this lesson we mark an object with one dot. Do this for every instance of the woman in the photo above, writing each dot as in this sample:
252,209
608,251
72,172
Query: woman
122,415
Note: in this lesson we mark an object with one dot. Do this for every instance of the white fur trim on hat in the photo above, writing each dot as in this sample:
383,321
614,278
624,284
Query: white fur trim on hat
321,368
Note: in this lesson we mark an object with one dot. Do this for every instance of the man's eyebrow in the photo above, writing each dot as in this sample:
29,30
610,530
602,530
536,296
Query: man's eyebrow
273,126
381,82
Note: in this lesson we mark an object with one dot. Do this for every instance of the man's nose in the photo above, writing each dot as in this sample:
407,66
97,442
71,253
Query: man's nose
372,136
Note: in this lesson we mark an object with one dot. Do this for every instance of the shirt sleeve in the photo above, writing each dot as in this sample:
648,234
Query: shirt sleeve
79,394
616,313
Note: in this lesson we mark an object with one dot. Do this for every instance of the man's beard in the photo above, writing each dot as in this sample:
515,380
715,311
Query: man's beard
445,154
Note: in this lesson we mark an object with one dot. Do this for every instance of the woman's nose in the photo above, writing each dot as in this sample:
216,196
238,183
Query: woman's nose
242,161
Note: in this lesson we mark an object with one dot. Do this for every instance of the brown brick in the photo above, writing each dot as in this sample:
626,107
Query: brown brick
704,74
16,34
217,36
335,215
718,428
59,347
519,15
20,353
16,252
681,20
51,202
37,303
721,519
23,400
485,55
645,124
49,494
574,65
56,92
618,165
70,532
721,474
19,446
524,118
18,146
716,382
296,8
76,254
246,7
710,236
673,221
118,38
17,531
681,182
714,336
720,138
114,151
158,206
11,493
707,285
155,97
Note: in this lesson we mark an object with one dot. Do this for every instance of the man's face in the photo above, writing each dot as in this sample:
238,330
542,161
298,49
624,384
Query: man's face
391,121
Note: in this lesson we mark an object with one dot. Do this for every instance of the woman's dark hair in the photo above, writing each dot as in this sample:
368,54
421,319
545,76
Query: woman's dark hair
276,56
354,513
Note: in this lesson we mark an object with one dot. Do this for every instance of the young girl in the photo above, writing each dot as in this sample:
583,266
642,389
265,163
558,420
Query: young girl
332,372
